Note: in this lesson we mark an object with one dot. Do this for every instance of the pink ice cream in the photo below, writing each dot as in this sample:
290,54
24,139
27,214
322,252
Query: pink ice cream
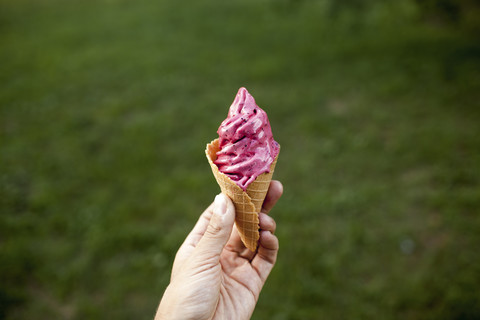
247,148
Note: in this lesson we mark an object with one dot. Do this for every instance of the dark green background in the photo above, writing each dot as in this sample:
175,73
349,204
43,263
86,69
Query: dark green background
106,108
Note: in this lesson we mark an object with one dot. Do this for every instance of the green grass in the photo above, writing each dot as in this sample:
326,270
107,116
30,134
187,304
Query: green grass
105,110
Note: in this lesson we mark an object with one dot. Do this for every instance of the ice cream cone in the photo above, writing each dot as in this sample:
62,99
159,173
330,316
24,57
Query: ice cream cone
247,204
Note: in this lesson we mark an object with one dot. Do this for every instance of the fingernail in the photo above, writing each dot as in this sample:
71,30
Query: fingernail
220,204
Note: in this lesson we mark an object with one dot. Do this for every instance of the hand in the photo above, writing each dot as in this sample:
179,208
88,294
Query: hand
214,275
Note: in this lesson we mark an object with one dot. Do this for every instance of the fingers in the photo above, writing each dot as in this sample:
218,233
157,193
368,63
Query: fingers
192,239
219,228
266,222
274,193
200,227
235,244
266,254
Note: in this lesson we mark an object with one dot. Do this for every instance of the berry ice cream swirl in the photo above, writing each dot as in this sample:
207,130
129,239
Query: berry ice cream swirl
247,147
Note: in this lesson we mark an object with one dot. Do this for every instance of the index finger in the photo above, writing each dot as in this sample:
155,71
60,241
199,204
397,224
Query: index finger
274,193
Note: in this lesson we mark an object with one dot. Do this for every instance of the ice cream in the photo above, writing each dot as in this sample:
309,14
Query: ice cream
247,147
242,160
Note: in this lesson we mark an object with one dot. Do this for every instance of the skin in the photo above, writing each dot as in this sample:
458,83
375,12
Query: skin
214,275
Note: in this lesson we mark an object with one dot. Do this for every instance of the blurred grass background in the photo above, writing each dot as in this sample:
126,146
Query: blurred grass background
106,107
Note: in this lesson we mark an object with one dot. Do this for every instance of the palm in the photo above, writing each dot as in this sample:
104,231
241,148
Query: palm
241,283
240,280
225,286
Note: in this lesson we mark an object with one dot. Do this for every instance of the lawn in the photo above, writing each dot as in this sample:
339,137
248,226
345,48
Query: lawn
106,108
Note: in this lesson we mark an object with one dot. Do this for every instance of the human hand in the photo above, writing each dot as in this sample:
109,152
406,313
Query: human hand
214,276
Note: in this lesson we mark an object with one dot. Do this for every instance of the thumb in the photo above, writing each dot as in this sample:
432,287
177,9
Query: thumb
219,229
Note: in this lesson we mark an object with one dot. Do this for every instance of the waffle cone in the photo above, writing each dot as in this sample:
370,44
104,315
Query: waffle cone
247,204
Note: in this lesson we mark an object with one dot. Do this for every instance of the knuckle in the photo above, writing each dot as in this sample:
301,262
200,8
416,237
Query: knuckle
213,229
